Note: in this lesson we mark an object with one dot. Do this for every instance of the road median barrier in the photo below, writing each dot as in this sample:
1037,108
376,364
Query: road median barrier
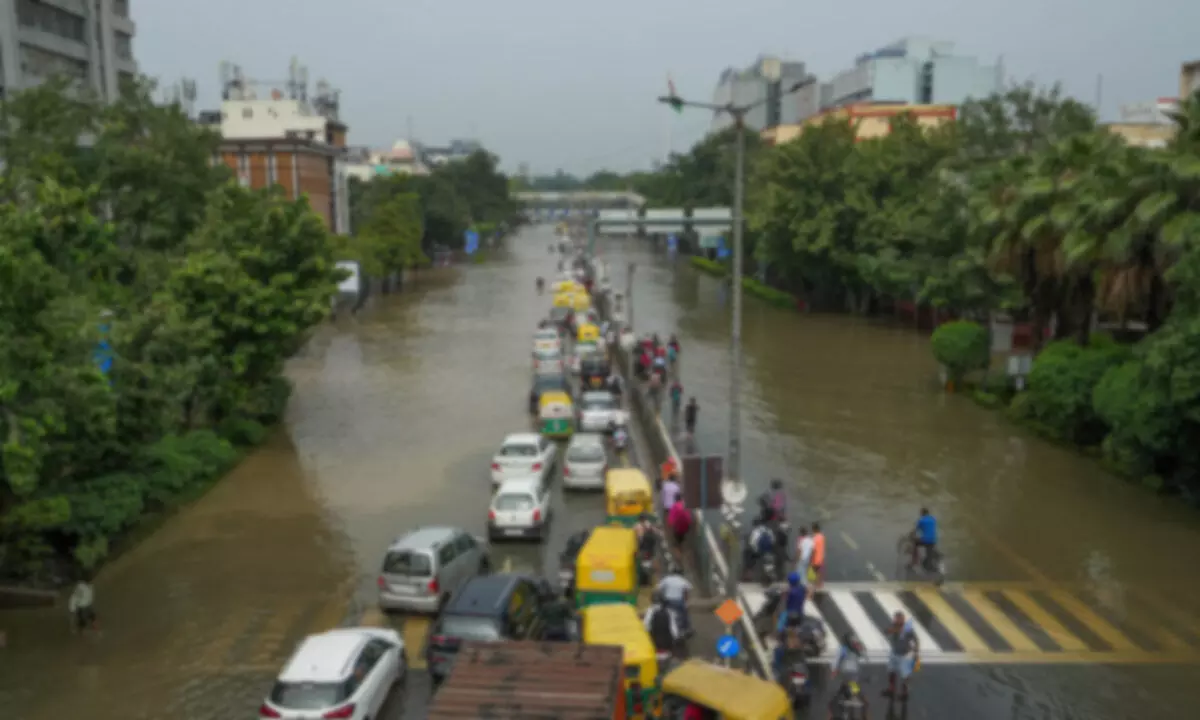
712,570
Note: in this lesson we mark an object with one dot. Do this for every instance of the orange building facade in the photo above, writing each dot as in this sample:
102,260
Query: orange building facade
300,167
870,120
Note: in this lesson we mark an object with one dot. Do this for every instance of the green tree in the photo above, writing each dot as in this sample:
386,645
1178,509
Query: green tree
391,240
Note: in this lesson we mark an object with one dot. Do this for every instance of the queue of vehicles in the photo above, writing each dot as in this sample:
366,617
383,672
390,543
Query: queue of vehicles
487,647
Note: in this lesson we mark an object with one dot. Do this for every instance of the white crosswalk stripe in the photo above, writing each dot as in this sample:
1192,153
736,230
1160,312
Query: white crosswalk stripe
976,624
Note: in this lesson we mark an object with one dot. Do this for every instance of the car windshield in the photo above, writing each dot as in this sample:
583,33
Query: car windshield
470,628
509,502
598,402
407,562
518,451
307,696
547,354
585,453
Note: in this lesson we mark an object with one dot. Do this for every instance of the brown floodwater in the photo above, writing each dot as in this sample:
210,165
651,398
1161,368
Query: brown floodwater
848,412
395,415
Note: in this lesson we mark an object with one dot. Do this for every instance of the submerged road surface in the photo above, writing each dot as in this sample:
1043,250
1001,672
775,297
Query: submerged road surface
1073,594
394,419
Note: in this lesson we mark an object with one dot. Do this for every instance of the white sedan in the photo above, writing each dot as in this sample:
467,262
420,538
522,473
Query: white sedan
344,673
598,409
520,508
523,455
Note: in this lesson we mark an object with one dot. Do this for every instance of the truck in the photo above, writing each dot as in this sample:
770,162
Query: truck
532,680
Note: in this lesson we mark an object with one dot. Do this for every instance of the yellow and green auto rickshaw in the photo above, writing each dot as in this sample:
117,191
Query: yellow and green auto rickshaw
581,302
728,693
627,494
562,308
619,624
556,414
606,568
587,333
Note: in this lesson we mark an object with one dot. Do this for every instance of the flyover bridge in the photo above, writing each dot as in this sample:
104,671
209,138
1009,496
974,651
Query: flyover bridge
583,203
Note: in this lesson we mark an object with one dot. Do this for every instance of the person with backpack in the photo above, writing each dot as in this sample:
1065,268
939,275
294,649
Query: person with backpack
662,625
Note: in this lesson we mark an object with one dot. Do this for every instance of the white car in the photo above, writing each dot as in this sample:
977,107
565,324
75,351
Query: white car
520,508
597,409
547,362
585,462
344,673
547,339
582,349
523,455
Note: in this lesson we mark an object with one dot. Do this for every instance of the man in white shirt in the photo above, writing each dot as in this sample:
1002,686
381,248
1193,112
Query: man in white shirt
80,605
674,589
804,551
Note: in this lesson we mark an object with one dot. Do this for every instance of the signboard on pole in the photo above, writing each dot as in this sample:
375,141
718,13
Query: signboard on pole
471,241
722,250
702,481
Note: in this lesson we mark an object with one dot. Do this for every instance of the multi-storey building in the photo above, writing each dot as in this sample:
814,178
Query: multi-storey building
286,139
89,41
912,71
765,82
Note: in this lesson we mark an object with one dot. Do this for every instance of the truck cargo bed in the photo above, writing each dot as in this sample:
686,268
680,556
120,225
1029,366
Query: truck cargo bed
567,681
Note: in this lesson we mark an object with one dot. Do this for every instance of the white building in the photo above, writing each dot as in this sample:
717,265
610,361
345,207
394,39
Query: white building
767,82
90,41
403,158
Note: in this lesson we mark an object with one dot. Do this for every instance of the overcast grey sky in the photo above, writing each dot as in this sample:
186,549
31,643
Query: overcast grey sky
571,84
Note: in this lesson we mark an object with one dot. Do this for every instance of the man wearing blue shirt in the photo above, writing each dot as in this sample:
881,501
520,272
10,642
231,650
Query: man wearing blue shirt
926,535
793,602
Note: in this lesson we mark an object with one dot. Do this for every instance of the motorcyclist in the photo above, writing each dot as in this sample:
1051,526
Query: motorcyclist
760,543
849,659
662,625
674,588
620,436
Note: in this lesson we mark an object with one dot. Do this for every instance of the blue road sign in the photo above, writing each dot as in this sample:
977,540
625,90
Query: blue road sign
102,355
728,647
722,251
672,243
471,240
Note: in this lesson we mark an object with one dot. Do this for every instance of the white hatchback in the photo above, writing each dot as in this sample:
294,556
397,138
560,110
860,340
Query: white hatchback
597,409
585,463
523,455
547,362
346,673
547,339
519,509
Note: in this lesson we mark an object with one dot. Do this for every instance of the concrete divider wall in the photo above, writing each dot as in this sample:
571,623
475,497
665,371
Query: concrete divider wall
712,569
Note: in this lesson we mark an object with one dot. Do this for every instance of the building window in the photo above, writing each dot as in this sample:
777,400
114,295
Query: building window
925,92
272,170
120,8
40,63
123,46
244,169
37,15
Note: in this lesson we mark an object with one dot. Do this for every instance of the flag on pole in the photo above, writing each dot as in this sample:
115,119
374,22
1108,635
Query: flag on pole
676,101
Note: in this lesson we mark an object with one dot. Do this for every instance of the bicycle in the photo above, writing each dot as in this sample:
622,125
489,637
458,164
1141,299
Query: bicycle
932,563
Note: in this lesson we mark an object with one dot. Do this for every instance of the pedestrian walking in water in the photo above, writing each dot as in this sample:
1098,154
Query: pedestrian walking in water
676,399
655,389
82,605
818,556
689,416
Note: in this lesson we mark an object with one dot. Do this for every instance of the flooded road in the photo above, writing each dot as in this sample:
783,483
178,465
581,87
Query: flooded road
849,414
394,419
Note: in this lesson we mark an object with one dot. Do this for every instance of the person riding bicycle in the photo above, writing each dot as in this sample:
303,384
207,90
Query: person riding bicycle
925,535
849,660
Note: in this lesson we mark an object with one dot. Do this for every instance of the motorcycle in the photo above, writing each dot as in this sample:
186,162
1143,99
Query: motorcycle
932,563
812,638
851,705
764,620
797,682
665,660
620,439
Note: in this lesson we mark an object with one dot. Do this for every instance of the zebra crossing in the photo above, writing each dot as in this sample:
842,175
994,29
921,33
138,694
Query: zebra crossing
980,623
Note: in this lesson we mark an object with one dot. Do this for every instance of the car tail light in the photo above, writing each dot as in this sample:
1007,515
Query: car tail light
799,677
537,466
566,471
491,514
432,587
345,711
445,642
537,515
381,582
266,711
496,466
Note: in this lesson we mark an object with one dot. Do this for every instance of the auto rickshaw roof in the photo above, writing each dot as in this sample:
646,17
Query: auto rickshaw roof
623,480
564,300
606,540
731,693
555,396
617,624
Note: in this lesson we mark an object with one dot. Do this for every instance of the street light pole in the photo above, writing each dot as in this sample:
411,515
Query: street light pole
733,487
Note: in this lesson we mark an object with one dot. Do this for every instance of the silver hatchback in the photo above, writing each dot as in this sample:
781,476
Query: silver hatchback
425,568
586,462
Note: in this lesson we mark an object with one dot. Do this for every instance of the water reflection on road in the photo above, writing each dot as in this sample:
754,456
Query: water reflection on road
849,413
395,415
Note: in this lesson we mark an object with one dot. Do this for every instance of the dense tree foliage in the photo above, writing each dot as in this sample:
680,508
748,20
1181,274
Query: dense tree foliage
118,229
1023,205
456,196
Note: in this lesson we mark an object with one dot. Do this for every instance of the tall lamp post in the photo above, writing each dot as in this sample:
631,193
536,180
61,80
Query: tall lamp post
733,487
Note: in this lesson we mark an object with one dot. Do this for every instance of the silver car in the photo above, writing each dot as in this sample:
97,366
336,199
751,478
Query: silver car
598,409
585,463
425,568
